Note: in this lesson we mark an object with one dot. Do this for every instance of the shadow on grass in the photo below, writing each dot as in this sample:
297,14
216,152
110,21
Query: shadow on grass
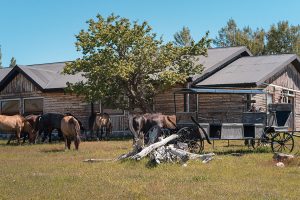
243,151
52,150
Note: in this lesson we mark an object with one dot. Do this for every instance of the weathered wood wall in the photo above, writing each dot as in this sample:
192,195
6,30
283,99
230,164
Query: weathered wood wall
289,78
164,102
216,108
59,102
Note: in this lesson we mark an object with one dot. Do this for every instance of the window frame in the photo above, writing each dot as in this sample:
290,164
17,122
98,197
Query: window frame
29,98
12,99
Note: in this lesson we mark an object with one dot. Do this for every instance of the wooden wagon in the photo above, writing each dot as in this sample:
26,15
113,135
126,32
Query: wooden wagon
268,126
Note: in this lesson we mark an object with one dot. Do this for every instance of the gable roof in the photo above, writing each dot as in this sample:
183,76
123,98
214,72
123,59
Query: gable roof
250,71
45,76
217,58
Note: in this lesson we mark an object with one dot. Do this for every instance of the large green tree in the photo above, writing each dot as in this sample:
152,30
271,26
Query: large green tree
13,62
183,37
125,65
283,38
230,35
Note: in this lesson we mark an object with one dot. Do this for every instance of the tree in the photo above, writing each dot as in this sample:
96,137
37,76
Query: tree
125,65
183,37
283,38
231,35
13,62
0,58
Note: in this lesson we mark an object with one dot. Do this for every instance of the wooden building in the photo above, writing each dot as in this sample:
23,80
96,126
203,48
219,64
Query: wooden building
37,89
40,88
278,75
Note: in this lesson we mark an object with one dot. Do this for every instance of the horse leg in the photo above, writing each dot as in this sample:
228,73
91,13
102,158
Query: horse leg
76,141
9,139
18,133
101,133
97,133
69,142
50,135
66,143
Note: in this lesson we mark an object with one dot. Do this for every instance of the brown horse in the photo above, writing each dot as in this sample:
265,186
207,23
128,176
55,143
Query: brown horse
17,124
71,129
99,121
139,124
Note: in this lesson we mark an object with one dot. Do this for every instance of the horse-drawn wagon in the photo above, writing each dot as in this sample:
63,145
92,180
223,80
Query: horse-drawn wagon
269,125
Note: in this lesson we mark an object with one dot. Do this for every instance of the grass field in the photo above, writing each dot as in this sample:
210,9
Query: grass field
46,171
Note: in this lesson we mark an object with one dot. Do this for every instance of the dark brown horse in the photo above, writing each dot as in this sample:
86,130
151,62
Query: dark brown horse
17,124
70,128
99,121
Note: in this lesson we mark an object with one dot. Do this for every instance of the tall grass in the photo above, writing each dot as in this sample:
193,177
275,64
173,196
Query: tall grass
46,171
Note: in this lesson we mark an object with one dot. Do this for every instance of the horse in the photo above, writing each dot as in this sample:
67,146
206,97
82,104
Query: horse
17,124
46,123
146,128
70,128
80,123
140,124
99,121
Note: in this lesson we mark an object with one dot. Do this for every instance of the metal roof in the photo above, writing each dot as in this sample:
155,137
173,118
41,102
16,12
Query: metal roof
46,76
218,91
217,57
249,70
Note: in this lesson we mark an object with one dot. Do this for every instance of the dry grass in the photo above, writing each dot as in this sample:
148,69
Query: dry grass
48,172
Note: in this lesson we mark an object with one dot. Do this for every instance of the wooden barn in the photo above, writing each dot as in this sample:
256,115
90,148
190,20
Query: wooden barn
217,58
278,75
37,89
40,88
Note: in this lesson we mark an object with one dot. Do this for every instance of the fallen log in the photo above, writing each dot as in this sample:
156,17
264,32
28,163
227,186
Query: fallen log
154,146
184,155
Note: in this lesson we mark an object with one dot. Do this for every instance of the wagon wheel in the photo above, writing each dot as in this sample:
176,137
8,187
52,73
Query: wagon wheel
184,134
282,142
187,135
196,146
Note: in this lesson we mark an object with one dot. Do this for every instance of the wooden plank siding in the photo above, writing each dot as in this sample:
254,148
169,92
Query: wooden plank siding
216,108
164,102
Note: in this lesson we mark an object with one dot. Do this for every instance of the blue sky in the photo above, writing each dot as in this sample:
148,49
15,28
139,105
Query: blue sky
42,31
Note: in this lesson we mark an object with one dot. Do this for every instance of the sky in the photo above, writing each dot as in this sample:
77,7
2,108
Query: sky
43,31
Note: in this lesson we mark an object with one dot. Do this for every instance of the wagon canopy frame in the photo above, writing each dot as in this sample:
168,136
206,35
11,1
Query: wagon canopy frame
206,90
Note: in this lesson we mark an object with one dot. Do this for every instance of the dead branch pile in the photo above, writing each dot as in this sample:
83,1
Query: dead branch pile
161,151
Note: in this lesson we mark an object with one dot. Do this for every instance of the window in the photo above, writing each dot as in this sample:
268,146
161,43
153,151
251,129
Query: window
33,106
10,107
287,96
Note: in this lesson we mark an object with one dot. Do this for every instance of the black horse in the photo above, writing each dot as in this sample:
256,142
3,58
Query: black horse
46,123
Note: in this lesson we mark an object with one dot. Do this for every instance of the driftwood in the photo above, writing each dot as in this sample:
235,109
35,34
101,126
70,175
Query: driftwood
98,160
154,146
184,155
159,152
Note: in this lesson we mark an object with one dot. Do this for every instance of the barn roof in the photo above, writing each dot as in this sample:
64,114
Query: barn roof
45,76
217,58
250,71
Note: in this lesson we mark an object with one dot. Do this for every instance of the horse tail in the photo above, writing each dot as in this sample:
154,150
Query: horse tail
130,124
76,128
204,132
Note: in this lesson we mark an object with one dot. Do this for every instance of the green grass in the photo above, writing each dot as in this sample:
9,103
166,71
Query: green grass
46,171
